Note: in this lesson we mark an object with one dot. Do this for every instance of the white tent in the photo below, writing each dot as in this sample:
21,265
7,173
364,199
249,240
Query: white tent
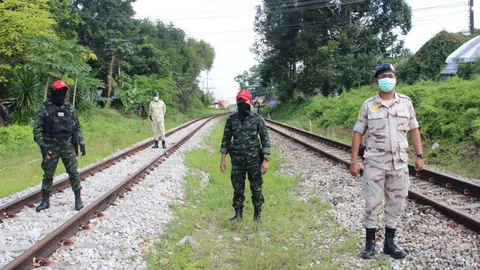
467,53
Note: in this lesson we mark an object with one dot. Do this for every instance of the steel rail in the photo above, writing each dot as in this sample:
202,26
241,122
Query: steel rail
449,182
9,209
52,241
459,216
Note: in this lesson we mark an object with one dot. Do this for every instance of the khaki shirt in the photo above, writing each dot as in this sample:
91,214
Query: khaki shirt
387,123
157,110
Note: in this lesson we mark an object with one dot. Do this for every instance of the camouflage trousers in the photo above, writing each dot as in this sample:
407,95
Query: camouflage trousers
65,151
377,184
242,166
158,130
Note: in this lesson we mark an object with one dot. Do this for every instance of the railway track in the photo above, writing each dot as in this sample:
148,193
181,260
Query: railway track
459,199
28,238
10,209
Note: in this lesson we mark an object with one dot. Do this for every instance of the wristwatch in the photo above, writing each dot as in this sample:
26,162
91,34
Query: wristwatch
422,156
266,158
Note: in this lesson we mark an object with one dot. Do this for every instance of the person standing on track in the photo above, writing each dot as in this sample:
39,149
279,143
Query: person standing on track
157,118
58,132
387,117
248,154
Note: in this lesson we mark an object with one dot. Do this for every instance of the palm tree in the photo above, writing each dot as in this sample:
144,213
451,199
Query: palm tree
27,92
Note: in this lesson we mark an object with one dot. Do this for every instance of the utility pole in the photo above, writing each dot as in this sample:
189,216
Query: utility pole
207,88
472,22
208,78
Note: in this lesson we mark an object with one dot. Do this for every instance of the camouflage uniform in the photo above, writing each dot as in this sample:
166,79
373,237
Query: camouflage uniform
158,109
386,159
246,155
59,146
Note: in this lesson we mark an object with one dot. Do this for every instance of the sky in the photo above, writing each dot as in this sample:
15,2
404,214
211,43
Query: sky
228,26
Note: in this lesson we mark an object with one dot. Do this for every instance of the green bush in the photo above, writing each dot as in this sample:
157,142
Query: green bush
446,111
428,62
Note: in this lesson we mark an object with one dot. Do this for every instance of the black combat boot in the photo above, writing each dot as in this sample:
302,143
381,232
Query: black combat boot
163,145
256,214
389,247
238,215
45,204
369,244
155,145
78,200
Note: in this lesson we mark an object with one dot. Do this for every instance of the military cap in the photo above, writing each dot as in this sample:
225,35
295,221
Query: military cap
383,68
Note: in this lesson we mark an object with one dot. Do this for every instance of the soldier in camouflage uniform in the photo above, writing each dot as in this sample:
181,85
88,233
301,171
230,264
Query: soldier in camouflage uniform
158,109
248,154
387,117
56,131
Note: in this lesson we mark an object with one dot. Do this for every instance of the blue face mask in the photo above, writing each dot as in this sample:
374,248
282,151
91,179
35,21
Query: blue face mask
387,84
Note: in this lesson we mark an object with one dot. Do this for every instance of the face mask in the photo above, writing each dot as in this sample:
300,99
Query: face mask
155,98
387,85
58,97
243,109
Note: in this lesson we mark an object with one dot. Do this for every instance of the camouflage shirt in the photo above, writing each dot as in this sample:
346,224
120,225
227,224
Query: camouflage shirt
245,135
158,109
387,123
42,115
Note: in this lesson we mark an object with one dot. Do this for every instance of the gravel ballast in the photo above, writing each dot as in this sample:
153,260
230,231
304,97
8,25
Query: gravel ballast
429,237
19,233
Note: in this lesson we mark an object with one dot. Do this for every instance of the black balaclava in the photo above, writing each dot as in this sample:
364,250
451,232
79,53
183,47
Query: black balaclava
58,96
243,109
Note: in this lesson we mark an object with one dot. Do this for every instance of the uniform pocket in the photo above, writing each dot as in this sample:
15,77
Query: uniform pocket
376,122
251,131
402,120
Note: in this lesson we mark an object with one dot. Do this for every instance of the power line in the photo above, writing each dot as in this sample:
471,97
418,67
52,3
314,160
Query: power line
299,7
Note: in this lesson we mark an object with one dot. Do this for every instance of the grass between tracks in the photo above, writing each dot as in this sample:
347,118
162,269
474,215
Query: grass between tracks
294,233
105,132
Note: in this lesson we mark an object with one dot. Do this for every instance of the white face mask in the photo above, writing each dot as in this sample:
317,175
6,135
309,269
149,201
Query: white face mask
155,98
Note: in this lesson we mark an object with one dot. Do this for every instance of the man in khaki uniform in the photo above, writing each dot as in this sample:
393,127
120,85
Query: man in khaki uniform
387,117
157,110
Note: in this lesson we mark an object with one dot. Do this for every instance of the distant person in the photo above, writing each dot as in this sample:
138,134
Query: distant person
58,132
249,153
158,109
387,117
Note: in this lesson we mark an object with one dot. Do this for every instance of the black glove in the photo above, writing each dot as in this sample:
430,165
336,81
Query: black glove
82,149
150,118
75,147
44,150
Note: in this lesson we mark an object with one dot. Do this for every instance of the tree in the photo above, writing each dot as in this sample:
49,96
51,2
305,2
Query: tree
252,80
118,49
54,58
67,18
428,62
26,88
20,21
312,47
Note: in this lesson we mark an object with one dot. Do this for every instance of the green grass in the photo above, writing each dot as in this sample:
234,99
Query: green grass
105,132
293,233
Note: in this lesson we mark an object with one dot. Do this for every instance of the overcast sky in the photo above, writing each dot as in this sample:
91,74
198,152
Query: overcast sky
227,26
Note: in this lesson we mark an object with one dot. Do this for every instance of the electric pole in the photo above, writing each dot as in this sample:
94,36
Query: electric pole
207,89
472,22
